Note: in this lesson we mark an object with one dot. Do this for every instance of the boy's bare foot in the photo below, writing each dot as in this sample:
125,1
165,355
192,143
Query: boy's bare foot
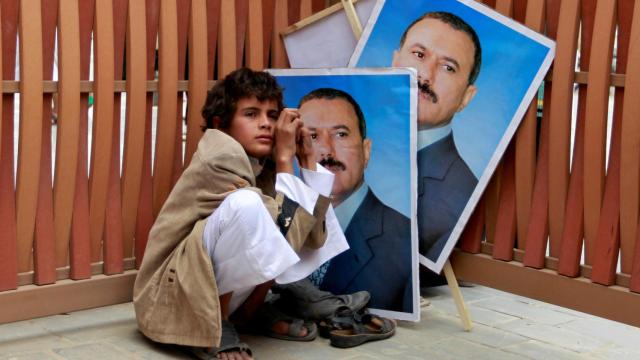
234,355
282,327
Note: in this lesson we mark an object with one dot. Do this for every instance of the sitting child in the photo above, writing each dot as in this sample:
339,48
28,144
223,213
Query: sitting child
236,220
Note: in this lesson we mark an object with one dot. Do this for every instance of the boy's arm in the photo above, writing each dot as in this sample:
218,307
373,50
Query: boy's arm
300,227
286,136
325,239
302,209
321,180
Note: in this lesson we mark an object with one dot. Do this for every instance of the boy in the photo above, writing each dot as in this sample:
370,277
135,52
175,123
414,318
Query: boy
230,225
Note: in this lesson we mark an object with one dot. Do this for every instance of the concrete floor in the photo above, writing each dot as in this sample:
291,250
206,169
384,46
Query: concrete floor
506,326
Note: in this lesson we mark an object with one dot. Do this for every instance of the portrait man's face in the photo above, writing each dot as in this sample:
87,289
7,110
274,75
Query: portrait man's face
444,58
337,143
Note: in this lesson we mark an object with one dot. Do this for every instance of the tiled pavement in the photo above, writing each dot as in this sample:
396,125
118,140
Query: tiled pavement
505,327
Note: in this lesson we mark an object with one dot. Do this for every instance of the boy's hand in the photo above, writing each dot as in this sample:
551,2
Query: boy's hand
286,137
305,154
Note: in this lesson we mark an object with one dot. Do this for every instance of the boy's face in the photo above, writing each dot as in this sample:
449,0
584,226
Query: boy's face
253,125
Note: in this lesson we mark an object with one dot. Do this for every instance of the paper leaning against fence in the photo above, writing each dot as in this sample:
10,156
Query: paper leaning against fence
324,39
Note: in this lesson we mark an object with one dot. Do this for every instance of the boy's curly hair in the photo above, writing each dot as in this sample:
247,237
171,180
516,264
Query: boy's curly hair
223,97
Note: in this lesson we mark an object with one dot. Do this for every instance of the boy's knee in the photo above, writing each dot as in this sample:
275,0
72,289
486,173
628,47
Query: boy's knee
245,202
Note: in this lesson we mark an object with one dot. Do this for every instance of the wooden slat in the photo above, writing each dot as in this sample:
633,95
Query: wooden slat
227,61
352,17
608,236
551,263
305,8
183,36
504,232
630,156
197,84
491,197
573,231
44,237
504,238
86,86
63,273
213,19
166,128
630,145
560,120
471,238
103,111
242,12
30,140
525,157
136,63
1,78
255,37
29,302
310,7
607,242
490,3
525,169
144,217
80,244
520,10
505,7
506,220
268,18
280,22
596,121
112,243
152,20
8,245
318,5
112,249
293,11
614,302
13,87
314,18
184,11
634,283
538,227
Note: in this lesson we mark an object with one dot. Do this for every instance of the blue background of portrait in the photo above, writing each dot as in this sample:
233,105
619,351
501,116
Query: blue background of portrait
384,100
510,61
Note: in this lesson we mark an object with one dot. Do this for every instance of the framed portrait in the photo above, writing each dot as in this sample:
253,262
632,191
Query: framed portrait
362,124
477,73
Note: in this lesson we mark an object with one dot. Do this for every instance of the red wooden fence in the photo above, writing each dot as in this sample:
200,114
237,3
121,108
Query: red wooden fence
71,236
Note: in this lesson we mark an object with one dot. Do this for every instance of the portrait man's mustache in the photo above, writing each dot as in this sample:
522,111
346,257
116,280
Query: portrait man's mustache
332,163
426,89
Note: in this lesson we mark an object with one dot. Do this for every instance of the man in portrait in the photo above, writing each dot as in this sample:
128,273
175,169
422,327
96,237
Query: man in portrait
379,258
446,53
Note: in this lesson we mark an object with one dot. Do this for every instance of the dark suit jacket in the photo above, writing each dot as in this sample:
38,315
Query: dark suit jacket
379,258
445,184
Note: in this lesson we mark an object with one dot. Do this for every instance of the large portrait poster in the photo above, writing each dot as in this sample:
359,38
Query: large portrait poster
363,124
477,73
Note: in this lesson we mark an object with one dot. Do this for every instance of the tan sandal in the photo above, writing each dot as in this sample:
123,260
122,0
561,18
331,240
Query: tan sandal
230,342
367,327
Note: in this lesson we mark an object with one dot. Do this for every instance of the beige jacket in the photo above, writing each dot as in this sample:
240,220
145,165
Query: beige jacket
175,294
